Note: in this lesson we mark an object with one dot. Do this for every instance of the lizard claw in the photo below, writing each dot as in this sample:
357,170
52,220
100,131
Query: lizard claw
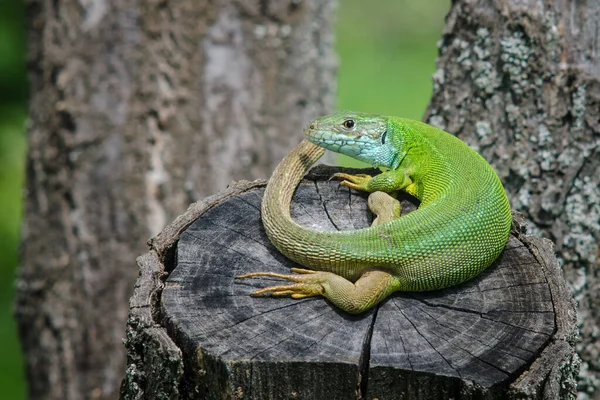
357,182
307,283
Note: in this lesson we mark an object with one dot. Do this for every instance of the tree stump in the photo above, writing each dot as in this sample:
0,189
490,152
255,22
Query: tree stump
195,332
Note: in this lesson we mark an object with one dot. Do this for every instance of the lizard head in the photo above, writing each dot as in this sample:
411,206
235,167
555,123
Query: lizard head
366,137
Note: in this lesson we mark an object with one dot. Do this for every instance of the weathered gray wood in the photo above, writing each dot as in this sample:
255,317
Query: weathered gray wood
146,338
486,330
519,80
157,370
509,333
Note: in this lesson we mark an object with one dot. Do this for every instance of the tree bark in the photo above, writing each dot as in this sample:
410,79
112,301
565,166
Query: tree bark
195,332
137,109
520,82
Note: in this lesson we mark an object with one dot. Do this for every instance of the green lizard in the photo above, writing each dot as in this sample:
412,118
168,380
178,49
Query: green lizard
459,229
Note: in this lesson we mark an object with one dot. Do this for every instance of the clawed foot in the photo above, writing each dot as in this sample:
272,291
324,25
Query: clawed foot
308,283
357,182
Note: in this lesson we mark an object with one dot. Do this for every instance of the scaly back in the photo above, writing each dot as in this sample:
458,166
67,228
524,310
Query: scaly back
460,228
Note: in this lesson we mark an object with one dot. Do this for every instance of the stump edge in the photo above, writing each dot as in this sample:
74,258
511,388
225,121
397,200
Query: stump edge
155,363
554,372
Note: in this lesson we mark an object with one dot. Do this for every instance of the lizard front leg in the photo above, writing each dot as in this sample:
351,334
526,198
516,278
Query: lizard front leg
387,182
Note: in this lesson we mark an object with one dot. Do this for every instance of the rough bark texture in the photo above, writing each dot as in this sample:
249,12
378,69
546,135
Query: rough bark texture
137,109
519,81
195,332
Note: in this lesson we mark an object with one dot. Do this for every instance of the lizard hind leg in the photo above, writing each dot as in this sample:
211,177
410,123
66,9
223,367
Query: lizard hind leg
384,206
304,286
372,287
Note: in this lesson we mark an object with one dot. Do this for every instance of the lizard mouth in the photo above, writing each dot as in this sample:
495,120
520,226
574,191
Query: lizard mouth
327,138
330,142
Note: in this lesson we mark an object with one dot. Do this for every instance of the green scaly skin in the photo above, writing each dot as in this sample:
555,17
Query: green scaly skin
459,229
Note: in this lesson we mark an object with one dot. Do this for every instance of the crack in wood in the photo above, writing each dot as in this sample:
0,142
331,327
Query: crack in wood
230,248
427,340
324,205
403,348
306,212
223,328
267,246
436,321
365,359
293,334
501,370
515,285
544,265
243,199
315,343
483,314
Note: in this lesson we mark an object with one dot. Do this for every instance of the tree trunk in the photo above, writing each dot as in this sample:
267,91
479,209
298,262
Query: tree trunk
195,332
137,109
520,82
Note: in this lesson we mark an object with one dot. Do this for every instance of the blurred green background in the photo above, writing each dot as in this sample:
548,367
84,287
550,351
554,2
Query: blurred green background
386,53
13,94
387,56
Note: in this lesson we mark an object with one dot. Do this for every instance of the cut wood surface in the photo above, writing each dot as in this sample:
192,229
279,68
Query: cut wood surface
508,333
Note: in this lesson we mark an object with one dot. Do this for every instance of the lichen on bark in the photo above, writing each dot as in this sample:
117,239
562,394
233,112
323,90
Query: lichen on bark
519,81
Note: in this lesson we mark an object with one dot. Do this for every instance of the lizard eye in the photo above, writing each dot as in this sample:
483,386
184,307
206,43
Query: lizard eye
349,124
383,137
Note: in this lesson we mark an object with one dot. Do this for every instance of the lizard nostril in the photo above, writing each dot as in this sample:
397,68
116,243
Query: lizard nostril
311,126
